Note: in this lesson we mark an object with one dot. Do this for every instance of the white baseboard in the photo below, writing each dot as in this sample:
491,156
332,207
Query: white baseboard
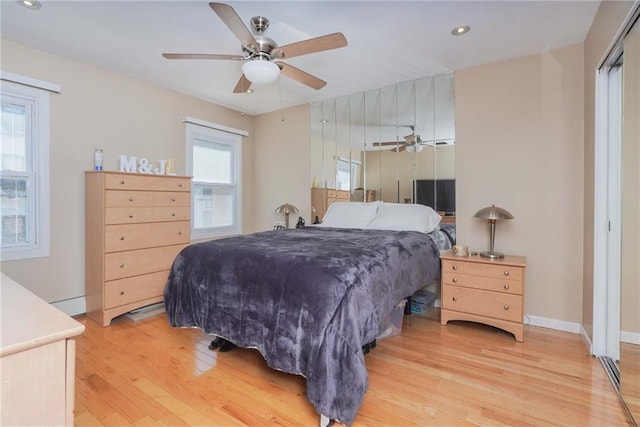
586,339
560,325
72,306
630,337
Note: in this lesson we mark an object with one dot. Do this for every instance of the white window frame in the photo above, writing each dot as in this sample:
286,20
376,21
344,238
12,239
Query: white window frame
199,130
37,93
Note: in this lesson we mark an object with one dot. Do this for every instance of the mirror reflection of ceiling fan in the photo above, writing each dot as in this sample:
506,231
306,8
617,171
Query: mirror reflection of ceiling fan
259,52
412,142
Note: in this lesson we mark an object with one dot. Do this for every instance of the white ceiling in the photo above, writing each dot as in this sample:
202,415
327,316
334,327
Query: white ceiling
388,41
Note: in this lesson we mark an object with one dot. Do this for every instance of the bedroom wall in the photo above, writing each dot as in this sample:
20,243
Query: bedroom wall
121,115
609,18
519,145
282,160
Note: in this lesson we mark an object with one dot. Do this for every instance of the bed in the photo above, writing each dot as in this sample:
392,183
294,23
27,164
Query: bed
308,299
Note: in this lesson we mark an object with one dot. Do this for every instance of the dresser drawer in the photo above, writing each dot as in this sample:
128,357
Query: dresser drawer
142,261
115,198
146,235
130,215
342,195
482,269
132,289
146,182
171,198
178,213
482,282
484,303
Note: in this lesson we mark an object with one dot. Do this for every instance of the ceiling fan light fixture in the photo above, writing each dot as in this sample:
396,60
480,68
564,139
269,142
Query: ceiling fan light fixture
260,71
415,148
30,4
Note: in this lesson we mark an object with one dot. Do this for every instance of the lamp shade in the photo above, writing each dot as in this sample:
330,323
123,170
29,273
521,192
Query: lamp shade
492,214
286,209
260,71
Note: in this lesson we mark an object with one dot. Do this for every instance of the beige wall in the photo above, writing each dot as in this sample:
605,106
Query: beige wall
121,115
610,17
282,159
519,145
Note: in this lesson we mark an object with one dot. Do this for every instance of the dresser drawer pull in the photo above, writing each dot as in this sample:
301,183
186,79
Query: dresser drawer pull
121,265
455,298
173,214
122,181
121,292
130,215
179,233
121,237
506,306
506,273
506,286
454,267
173,199
180,185
455,280
131,198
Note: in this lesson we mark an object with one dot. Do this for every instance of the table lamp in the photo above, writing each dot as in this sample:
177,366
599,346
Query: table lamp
493,214
286,209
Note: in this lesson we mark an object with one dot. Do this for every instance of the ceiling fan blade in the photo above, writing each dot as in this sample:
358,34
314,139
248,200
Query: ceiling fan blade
318,44
243,85
235,24
382,144
201,56
410,138
400,148
301,76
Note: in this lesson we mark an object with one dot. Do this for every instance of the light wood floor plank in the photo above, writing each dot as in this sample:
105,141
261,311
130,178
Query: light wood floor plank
147,373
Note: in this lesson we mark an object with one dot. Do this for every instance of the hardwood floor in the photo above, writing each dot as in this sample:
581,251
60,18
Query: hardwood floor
148,373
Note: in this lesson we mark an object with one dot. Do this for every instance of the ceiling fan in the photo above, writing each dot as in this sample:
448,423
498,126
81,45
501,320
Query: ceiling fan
412,142
259,52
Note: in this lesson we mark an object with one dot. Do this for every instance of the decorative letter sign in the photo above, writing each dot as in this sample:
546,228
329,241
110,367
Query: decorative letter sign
141,165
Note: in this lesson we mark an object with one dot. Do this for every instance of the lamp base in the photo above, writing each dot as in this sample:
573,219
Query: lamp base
492,255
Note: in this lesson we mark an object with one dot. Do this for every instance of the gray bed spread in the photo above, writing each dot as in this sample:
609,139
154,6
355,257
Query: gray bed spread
307,299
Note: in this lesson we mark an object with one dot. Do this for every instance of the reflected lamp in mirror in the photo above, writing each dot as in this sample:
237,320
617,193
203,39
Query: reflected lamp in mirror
415,148
492,214
286,210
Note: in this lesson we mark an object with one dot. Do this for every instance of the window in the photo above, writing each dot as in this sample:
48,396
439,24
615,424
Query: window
347,174
24,171
214,161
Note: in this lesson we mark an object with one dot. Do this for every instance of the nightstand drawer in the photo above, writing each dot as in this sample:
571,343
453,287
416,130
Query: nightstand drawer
484,303
481,282
481,269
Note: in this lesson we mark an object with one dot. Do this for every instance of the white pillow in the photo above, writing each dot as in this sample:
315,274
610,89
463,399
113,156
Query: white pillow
350,214
405,217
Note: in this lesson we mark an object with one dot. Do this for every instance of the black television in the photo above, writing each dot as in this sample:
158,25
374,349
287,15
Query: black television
440,194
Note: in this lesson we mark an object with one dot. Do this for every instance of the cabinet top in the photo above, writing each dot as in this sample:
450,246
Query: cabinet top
135,174
28,321
518,261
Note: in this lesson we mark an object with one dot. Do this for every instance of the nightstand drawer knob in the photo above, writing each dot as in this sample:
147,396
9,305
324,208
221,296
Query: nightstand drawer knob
455,267
455,298
506,286
506,273
455,280
506,306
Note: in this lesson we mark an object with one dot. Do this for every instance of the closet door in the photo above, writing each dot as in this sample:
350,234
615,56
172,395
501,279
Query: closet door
630,218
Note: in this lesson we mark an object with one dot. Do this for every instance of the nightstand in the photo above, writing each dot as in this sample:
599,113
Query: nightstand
483,290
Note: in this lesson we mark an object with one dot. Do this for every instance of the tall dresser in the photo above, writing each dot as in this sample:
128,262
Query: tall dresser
135,226
322,198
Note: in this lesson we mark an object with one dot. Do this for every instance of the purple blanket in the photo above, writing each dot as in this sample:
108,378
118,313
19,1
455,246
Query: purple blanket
308,299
